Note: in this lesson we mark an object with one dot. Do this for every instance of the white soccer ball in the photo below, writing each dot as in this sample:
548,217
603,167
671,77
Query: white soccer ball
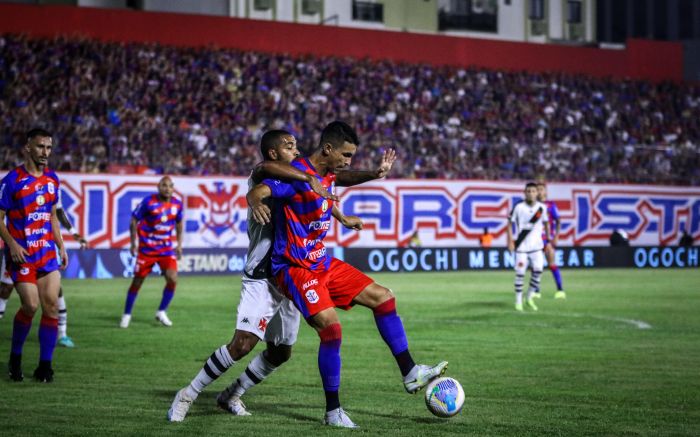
444,397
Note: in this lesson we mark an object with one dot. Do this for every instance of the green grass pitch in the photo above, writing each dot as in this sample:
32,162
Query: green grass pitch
584,366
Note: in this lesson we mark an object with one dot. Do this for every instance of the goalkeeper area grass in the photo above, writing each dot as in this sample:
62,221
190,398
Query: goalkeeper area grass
620,356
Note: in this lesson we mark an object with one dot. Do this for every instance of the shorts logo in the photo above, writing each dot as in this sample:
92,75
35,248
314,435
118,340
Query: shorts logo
40,200
245,320
24,271
262,325
324,205
51,188
311,296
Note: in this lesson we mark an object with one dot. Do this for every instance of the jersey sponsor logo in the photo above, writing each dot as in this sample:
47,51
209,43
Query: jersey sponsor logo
40,200
316,254
38,243
262,324
40,231
320,225
308,284
324,205
311,242
312,296
39,216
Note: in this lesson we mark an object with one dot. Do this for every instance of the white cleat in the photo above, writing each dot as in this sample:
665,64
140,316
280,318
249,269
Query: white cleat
421,375
126,319
233,405
163,318
338,418
181,405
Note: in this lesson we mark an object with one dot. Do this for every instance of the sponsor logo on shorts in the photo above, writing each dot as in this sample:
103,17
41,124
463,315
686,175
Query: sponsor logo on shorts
24,271
311,296
245,320
320,225
308,284
262,325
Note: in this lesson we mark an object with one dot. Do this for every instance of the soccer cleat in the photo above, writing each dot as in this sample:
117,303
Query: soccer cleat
43,374
66,341
163,318
338,418
531,304
421,375
14,368
519,307
233,404
180,406
560,295
126,318
537,295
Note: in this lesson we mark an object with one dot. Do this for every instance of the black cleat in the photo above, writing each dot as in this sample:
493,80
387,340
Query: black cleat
14,368
43,373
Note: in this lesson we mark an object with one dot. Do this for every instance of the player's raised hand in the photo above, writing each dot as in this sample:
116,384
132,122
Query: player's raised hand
317,188
388,158
352,222
261,213
83,242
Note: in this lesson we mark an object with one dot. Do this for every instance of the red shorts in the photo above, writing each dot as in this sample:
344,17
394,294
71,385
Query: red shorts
144,264
313,292
29,272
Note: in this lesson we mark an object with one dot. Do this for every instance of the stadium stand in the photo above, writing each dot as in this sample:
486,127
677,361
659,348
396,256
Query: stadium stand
149,107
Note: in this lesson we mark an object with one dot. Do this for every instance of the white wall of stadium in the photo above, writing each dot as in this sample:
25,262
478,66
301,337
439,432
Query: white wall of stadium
444,213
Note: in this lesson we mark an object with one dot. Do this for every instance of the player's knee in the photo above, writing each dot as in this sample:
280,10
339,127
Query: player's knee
30,308
331,333
278,355
241,345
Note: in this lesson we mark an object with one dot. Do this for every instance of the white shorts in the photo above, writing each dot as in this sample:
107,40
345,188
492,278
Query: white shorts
5,277
534,259
265,312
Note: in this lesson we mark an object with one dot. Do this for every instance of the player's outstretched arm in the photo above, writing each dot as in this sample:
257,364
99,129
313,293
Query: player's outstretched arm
132,235
17,252
261,212
58,238
65,221
286,172
348,178
349,221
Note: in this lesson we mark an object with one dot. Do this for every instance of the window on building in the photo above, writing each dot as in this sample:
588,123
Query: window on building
478,15
537,11
574,12
367,11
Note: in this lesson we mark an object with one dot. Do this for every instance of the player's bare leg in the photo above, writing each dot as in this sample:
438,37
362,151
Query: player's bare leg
383,303
131,296
168,293
5,292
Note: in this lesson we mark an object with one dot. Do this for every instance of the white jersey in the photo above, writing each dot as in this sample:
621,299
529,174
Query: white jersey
529,226
258,265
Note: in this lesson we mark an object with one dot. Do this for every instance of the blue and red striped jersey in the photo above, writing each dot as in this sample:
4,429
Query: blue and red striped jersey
156,222
553,214
27,201
302,219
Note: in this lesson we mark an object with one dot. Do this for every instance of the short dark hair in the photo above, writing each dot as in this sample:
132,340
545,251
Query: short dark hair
541,184
530,184
270,140
37,132
338,132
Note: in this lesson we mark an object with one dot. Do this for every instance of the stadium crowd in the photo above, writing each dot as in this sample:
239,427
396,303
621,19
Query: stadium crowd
202,111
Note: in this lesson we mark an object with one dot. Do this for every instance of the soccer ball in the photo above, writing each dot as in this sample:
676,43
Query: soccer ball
444,397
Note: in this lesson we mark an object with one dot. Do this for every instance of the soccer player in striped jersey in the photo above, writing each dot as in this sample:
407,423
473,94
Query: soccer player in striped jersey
28,198
550,240
530,220
318,283
6,284
154,220
263,312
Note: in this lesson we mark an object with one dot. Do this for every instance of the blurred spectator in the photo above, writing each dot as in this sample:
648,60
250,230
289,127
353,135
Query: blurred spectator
201,111
486,239
619,238
686,239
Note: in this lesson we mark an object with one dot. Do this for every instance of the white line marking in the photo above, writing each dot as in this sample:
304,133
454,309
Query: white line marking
639,324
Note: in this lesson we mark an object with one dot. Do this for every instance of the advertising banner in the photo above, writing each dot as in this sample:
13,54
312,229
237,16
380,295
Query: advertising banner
439,213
